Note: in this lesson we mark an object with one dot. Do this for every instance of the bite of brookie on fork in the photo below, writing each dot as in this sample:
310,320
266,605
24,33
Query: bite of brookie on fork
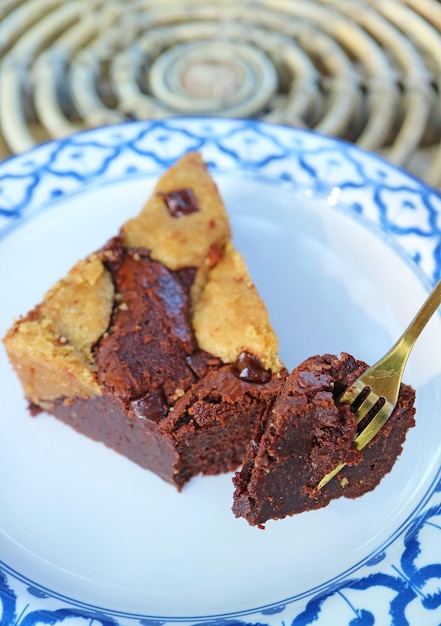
336,429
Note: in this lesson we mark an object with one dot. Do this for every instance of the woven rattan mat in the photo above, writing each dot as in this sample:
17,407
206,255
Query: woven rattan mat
368,71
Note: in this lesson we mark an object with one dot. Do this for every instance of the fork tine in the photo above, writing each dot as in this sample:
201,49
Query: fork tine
325,480
360,397
363,438
374,426
352,393
367,404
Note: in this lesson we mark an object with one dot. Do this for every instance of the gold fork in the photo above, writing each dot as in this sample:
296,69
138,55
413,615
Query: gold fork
376,391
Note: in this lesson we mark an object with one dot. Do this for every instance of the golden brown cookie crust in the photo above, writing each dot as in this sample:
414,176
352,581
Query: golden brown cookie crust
230,317
51,348
179,242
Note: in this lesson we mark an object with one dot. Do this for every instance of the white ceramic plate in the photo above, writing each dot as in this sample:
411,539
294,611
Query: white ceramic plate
343,247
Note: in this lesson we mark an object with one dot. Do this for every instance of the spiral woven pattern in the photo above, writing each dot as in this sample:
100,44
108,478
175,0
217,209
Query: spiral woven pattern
364,70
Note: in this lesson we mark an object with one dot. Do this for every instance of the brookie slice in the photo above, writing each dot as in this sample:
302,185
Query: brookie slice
158,344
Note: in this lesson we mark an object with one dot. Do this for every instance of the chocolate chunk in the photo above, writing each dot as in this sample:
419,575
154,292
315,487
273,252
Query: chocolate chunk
251,369
34,409
151,406
186,276
180,202
200,362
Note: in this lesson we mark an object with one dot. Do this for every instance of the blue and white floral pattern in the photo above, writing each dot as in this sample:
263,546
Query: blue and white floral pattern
402,584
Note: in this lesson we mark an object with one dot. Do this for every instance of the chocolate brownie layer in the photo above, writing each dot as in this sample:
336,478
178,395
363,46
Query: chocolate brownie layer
305,435
207,432
212,424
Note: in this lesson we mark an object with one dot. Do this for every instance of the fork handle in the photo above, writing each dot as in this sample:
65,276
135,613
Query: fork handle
417,325
395,360
422,317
